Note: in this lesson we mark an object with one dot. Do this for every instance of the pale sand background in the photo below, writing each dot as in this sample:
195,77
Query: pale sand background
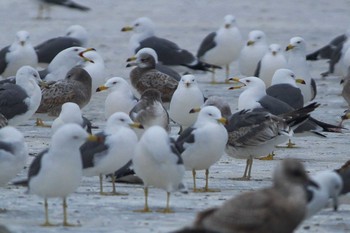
186,23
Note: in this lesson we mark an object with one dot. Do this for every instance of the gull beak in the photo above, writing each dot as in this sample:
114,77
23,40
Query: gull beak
22,42
222,120
133,58
274,53
235,87
101,88
187,84
81,54
194,110
127,29
136,125
227,25
300,81
234,79
94,138
250,42
131,64
289,47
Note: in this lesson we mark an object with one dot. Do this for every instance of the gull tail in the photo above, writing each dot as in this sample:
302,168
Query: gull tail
23,182
77,6
202,66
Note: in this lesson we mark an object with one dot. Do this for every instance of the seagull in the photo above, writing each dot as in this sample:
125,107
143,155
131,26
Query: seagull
346,87
76,36
57,171
273,60
63,62
203,144
158,163
252,52
70,113
161,68
117,148
18,102
330,185
298,64
222,47
168,52
186,97
44,5
279,208
13,153
284,87
118,89
76,88
220,103
16,55
149,111
145,76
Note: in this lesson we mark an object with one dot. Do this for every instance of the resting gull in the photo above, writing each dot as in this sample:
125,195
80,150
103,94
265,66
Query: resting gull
298,64
44,5
76,36
145,76
279,208
168,52
187,96
57,171
16,55
118,89
252,52
18,102
158,163
13,153
76,88
102,158
222,47
203,144
273,60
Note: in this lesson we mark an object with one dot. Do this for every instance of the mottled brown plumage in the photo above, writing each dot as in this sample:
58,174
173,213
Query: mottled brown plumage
145,76
76,88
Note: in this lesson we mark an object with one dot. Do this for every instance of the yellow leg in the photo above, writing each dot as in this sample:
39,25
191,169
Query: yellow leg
213,79
40,122
206,188
167,209
101,184
47,222
114,192
145,209
290,144
65,218
194,180
227,68
269,157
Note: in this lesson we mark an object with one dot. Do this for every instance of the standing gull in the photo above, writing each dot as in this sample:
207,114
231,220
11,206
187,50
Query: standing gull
13,153
45,5
279,208
273,60
252,52
118,89
186,97
76,36
57,171
168,52
222,47
18,102
158,163
117,148
76,88
16,55
298,64
203,144
145,76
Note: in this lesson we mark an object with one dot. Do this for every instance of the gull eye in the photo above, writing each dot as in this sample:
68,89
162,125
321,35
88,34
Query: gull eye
115,82
75,137
259,37
76,50
298,42
248,81
137,24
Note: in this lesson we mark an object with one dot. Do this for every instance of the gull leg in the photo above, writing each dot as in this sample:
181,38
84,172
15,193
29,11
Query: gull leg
101,185
290,144
167,209
206,188
47,222
269,157
194,180
213,78
145,209
250,168
244,177
227,68
40,122
114,192
65,222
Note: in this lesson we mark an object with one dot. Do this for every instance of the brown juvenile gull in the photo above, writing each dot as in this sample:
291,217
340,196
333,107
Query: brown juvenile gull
276,209
145,76
76,88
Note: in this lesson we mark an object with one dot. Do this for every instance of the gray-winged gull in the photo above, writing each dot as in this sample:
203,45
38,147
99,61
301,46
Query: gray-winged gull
187,96
13,153
57,171
117,148
76,88
158,163
252,52
45,5
145,76
18,102
16,55
273,60
298,64
203,144
220,103
168,52
222,47
76,36
120,90
279,208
